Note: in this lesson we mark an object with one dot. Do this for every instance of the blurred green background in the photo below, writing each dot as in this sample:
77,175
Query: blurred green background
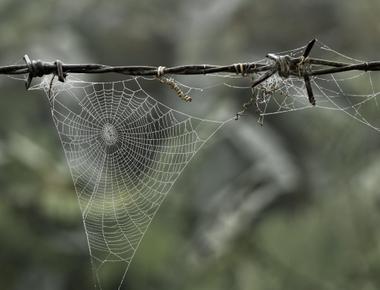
290,205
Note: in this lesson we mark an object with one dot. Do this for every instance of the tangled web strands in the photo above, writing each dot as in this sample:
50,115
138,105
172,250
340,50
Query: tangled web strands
354,92
126,149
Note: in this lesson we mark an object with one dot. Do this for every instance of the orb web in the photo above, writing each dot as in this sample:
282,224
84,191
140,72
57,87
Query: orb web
125,151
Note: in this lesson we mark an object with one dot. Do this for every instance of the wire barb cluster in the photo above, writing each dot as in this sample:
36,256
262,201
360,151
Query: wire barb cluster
286,66
39,69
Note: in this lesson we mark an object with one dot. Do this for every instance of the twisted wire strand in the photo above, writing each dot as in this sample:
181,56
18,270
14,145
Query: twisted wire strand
284,65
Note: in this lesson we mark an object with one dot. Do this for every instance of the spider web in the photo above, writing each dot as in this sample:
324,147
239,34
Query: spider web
125,151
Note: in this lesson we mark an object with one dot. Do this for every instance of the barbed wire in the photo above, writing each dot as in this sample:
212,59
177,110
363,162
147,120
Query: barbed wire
285,65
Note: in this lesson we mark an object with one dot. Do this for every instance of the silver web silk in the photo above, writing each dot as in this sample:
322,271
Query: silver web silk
125,151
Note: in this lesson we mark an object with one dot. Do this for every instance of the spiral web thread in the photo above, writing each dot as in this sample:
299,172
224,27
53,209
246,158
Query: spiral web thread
125,151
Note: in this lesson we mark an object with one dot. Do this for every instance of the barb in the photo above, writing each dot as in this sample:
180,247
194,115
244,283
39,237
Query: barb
306,78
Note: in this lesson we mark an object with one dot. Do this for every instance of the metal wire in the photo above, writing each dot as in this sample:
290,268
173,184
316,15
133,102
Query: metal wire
285,66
